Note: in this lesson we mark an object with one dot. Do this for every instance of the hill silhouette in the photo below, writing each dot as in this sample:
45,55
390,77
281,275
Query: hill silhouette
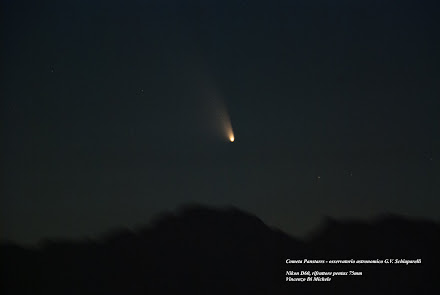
203,250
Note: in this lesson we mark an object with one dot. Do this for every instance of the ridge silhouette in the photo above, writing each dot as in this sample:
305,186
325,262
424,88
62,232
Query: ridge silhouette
204,250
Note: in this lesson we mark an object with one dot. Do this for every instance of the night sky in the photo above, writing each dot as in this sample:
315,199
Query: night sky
107,116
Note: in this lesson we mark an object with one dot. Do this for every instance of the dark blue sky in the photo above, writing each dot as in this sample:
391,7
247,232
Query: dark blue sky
104,120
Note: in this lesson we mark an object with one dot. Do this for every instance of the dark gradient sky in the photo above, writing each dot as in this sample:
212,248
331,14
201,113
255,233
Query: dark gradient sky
105,123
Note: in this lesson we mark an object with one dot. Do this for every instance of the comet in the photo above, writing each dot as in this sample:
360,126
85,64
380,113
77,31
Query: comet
226,123
219,118
216,115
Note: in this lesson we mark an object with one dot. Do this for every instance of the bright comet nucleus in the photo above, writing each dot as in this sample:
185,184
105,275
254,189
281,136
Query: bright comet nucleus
231,138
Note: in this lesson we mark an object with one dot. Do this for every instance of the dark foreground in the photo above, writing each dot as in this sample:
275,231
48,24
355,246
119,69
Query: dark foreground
211,251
